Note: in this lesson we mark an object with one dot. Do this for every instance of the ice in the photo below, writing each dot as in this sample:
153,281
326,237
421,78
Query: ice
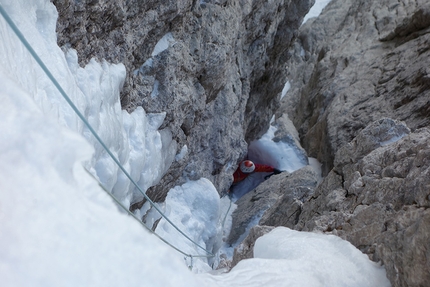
316,165
321,257
59,228
195,208
302,51
281,155
394,134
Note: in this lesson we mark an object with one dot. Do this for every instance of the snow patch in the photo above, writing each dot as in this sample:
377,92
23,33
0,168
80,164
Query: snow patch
280,155
286,88
315,10
163,44
155,92
183,153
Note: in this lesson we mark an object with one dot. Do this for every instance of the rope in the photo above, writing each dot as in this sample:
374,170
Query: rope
146,227
223,221
75,109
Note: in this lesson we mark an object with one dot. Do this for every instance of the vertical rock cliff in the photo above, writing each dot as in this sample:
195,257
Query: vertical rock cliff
356,63
215,67
360,99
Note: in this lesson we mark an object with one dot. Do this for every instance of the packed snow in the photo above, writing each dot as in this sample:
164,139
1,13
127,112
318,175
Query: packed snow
58,225
293,258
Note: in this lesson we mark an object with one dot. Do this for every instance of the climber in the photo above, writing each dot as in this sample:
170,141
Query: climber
247,167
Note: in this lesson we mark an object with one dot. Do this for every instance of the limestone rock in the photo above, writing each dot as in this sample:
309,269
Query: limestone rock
358,62
377,197
245,249
252,205
272,201
215,67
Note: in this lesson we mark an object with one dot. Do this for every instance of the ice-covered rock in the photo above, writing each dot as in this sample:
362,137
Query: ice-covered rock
215,67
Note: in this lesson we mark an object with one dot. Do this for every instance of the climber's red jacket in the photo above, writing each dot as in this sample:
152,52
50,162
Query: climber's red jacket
238,175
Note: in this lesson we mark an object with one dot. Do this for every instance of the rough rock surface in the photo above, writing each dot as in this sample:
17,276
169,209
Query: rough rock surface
357,64
218,78
245,249
274,199
377,197
359,61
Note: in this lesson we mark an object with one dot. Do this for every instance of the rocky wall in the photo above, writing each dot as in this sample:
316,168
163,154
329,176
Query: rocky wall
356,63
218,80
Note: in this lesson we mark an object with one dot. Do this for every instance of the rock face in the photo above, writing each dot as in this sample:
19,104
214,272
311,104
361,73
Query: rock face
215,67
377,197
354,67
356,63
275,202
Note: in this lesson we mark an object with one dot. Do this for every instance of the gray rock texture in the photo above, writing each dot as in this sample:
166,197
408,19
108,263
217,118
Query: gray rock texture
218,79
245,249
377,197
356,63
354,67
275,202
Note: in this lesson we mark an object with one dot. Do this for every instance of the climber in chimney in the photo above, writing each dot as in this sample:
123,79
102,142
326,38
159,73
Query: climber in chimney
247,167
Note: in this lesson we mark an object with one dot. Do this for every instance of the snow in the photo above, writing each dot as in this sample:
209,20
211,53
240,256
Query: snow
316,165
286,88
60,228
315,10
281,155
183,208
163,44
292,258
155,92
183,153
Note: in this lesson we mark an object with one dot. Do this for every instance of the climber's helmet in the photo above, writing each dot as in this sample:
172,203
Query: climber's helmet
247,166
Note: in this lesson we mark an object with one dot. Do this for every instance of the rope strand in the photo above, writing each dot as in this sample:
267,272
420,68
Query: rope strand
75,109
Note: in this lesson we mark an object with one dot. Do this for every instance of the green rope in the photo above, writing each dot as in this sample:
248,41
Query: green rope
75,109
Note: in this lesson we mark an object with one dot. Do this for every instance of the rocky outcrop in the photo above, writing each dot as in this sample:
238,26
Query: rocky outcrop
354,67
276,201
356,63
215,67
377,197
